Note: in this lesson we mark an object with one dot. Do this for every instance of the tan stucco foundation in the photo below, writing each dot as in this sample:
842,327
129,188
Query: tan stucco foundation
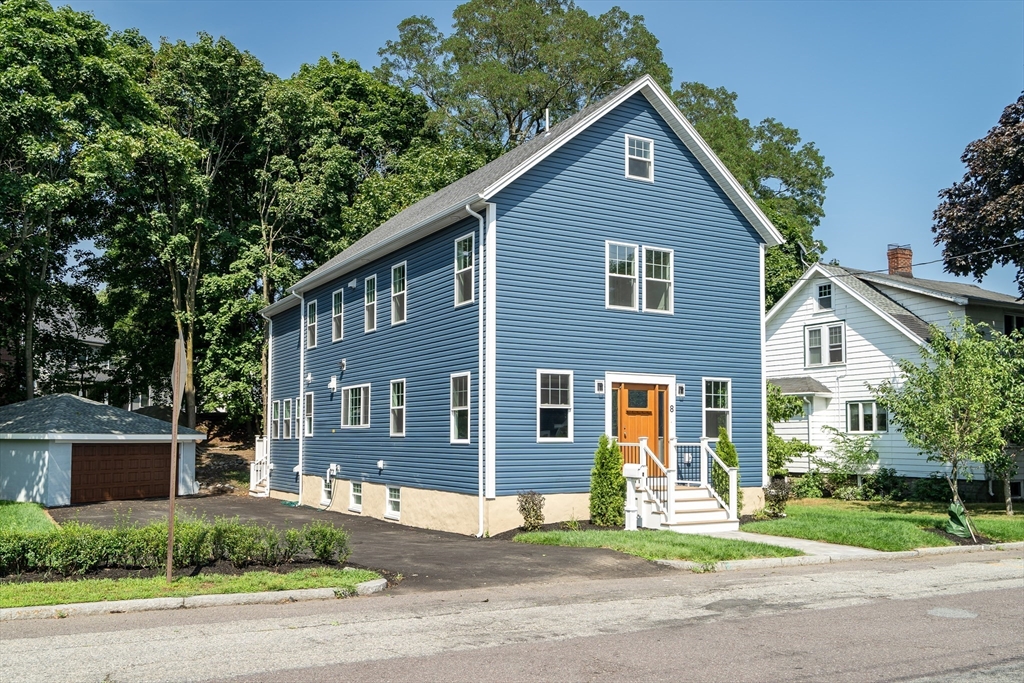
753,499
283,495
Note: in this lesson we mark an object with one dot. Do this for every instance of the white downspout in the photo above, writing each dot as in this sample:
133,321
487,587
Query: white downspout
302,375
480,375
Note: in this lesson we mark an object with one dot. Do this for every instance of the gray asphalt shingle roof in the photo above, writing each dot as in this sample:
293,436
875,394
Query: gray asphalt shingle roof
68,414
849,278
800,385
959,289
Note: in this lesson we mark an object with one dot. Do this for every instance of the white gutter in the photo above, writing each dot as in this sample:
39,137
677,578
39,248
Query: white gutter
480,374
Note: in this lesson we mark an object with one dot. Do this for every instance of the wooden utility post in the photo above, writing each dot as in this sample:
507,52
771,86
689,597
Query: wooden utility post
177,389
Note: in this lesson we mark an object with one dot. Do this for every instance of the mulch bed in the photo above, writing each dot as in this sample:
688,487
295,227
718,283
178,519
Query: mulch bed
581,525
982,540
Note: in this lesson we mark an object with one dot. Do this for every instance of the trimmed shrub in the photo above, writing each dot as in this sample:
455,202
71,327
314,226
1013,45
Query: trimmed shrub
776,496
531,507
809,485
607,485
726,452
327,542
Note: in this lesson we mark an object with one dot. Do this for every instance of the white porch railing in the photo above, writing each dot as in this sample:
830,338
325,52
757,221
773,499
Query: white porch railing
259,469
659,481
696,468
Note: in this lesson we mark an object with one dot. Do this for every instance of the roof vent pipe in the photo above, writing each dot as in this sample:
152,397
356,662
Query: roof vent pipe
901,260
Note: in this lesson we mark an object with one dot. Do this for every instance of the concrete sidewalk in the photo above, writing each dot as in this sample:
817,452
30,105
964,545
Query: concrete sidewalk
809,547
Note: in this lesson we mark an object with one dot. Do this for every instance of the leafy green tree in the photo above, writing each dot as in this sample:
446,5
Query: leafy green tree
1004,467
984,212
506,61
607,485
952,405
782,408
848,455
785,177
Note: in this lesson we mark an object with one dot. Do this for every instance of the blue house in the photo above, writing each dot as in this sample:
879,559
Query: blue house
604,278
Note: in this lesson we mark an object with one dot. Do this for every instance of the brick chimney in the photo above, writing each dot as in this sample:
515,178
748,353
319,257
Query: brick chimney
901,260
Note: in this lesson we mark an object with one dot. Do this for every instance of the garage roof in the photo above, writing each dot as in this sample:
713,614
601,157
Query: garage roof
66,417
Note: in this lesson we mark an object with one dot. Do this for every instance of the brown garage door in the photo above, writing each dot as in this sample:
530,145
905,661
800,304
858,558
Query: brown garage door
119,471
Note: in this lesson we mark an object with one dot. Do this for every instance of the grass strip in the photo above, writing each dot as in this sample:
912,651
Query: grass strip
883,526
24,517
102,590
659,545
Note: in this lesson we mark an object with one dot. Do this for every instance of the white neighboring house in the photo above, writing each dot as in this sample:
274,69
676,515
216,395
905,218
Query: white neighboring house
839,329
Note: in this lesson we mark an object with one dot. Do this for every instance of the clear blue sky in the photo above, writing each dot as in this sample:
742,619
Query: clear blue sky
891,93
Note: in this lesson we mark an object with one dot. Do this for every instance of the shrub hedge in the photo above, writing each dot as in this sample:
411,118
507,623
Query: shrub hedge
79,548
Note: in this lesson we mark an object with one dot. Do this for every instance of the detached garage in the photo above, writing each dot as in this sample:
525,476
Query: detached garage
63,450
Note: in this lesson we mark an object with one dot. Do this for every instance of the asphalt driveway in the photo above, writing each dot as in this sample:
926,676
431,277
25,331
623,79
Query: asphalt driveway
428,560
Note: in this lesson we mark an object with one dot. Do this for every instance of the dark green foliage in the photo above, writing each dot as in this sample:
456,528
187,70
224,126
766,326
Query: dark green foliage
958,525
79,548
726,451
776,496
607,485
933,489
531,507
809,485
885,484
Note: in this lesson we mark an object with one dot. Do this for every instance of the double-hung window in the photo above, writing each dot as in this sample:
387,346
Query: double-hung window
307,414
398,407
464,270
554,405
393,509
355,497
657,280
639,158
355,406
398,294
311,325
275,420
825,296
286,409
717,407
620,291
370,304
825,344
338,315
460,408
866,416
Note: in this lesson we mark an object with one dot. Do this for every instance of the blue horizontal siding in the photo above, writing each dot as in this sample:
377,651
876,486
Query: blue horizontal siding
436,341
552,225
284,384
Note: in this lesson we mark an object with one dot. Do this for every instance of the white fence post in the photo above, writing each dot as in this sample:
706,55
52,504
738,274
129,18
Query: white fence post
703,461
670,481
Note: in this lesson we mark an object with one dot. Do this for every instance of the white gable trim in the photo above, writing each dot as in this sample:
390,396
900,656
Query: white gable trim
686,132
817,271
962,301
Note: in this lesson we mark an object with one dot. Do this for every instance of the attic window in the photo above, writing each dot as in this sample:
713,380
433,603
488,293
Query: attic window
639,158
825,296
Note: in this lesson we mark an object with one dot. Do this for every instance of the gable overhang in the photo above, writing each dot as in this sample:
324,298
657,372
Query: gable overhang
817,271
911,287
282,304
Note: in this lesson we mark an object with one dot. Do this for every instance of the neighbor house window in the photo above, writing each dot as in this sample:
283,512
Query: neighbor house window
1012,323
311,325
275,420
825,296
394,503
717,406
398,287
620,289
639,158
657,280
355,406
287,419
464,270
355,497
554,405
460,408
818,337
307,414
866,416
370,304
338,315
398,407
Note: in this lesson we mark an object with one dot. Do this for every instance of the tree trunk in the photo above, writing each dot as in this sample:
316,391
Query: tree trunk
265,356
1006,495
31,300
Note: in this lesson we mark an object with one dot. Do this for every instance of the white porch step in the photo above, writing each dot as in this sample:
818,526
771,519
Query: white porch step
693,493
708,514
710,527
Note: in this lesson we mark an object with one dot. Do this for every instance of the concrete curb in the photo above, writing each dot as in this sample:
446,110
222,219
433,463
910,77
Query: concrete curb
84,609
805,560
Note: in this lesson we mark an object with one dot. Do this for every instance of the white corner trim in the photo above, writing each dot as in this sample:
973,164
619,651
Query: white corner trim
764,376
490,349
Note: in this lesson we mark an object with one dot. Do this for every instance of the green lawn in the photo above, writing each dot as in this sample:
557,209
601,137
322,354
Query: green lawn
102,590
659,545
881,526
23,517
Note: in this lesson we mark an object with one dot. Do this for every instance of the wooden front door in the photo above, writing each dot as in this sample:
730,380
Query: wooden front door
640,410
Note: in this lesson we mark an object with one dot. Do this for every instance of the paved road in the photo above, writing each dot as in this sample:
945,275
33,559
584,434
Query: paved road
934,618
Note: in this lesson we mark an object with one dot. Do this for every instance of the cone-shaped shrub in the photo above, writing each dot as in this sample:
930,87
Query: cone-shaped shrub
607,485
726,451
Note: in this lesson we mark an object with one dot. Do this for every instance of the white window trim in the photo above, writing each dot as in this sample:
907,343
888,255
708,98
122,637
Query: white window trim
468,408
817,297
405,405
367,328
636,276
704,402
874,413
405,268
286,418
339,315
823,327
572,400
307,414
471,269
671,282
366,398
388,514
275,419
352,505
627,157
311,305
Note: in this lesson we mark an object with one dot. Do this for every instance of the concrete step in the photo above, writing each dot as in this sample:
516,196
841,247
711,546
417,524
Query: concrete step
709,514
696,504
710,527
